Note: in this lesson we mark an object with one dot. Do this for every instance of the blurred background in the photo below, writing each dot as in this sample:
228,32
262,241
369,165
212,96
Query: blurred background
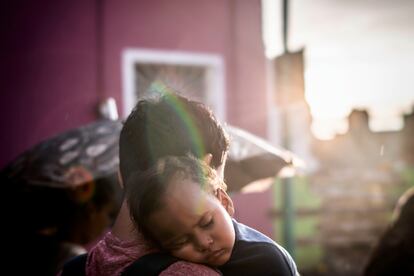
327,80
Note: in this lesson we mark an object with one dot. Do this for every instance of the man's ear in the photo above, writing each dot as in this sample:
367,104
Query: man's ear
207,158
226,201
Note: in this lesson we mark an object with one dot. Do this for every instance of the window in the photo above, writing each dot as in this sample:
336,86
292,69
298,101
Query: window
197,76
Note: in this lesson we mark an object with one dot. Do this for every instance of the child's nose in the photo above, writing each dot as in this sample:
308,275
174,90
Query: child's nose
204,242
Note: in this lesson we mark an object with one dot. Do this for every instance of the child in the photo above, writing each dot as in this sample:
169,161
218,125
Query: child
182,206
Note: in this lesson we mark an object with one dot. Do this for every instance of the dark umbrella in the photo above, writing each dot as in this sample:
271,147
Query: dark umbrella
70,159
252,158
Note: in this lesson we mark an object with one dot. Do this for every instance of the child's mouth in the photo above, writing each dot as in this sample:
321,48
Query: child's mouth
215,254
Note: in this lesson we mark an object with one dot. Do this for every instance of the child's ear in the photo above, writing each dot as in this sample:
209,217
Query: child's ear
207,158
226,201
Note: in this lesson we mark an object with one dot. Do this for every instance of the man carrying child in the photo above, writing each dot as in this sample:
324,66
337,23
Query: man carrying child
171,125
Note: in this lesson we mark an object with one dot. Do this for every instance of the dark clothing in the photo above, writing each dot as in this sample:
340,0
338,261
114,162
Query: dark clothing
256,254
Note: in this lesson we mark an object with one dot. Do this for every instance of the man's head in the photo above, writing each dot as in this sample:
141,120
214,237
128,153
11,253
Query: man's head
170,125
181,205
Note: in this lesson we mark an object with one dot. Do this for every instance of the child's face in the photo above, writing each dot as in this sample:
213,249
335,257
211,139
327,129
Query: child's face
194,225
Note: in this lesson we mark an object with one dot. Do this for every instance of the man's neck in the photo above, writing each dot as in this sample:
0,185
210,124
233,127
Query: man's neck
123,226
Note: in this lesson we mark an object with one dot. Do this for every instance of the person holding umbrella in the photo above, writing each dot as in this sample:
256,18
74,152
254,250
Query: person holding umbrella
65,194
168,125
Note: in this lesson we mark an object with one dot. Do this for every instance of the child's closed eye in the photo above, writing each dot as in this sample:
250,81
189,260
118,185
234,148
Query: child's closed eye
175,245
207,224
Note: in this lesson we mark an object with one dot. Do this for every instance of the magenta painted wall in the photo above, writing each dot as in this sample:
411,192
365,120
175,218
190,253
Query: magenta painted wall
229,28
47,70
60,58
247,96
254,209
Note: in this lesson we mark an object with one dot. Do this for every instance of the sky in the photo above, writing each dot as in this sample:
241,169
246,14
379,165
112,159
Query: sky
358,54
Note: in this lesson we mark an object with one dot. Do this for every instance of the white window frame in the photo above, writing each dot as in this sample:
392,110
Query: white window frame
215,78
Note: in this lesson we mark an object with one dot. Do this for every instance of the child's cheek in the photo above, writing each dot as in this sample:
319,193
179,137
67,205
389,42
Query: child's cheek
182,253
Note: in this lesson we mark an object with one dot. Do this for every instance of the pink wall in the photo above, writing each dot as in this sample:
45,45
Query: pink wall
229,28
47,71
202,26
254,210
247,96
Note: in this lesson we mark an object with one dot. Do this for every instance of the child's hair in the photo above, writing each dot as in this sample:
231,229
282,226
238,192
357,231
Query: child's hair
146,189
169,125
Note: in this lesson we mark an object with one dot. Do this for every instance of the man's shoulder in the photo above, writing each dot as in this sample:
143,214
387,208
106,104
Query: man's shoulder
259,258
248,234
186,268
262,252
255,250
